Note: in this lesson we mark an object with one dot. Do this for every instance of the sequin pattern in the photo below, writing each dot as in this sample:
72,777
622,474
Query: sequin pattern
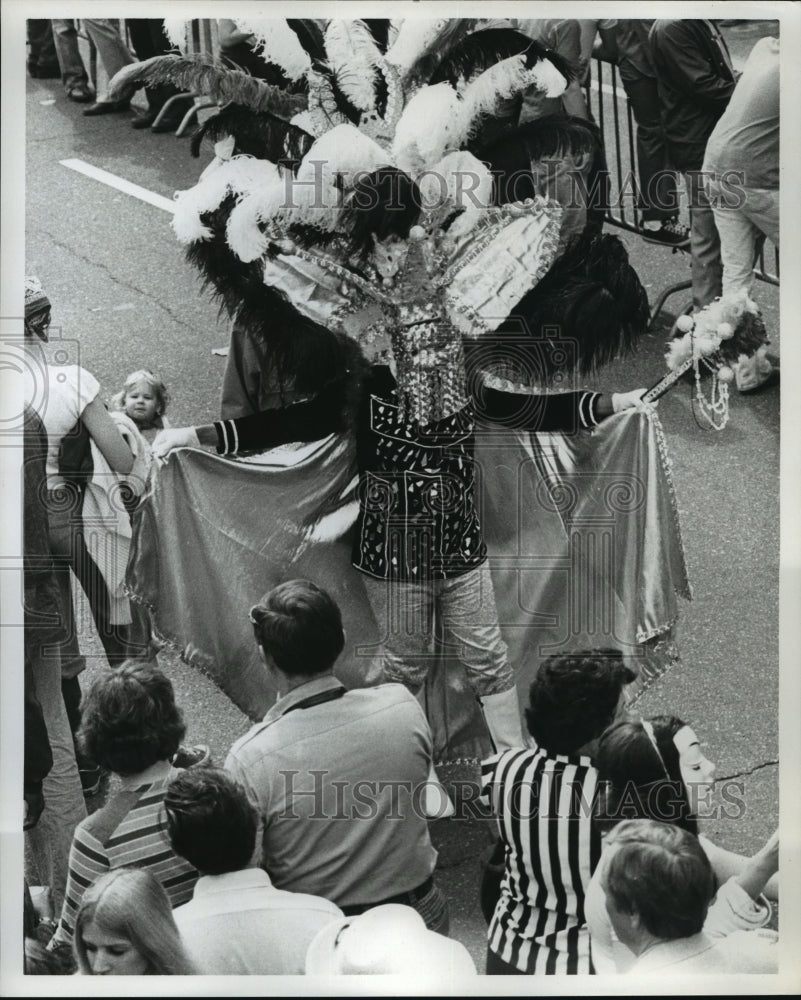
418,517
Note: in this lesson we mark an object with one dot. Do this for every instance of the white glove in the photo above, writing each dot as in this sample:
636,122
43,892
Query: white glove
175,437
625,400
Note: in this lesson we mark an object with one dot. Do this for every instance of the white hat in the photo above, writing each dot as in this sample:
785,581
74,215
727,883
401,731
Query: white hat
387,940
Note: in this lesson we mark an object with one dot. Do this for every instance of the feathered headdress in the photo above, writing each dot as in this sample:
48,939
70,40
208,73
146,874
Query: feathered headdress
354,193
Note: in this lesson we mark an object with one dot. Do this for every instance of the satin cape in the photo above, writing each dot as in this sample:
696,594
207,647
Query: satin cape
582,532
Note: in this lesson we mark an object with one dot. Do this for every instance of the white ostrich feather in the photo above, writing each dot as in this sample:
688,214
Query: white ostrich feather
496,84
345,151
277,43
458,178
547,78
238,175
175,31
353,56
414,39
430,126
243,233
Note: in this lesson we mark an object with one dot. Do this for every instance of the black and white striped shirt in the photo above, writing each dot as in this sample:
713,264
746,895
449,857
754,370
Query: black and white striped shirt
544,809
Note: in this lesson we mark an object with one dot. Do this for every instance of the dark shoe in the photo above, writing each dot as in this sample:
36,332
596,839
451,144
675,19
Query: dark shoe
199,755
80,93
48,72
107,107
670,234
143,121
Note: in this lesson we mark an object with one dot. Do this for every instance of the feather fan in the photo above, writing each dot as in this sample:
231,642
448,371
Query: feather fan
200,75
480,50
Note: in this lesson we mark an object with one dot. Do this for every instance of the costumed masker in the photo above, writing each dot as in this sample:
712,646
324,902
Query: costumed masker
368,216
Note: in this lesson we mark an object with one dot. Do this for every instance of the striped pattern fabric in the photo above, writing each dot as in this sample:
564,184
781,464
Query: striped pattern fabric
544,807
126,832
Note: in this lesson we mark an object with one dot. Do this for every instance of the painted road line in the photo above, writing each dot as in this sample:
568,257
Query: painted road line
120,184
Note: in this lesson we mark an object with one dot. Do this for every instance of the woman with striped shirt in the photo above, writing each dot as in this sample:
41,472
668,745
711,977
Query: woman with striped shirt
543,801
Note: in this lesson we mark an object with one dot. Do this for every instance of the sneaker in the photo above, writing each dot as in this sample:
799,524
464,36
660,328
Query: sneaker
670,234
196,756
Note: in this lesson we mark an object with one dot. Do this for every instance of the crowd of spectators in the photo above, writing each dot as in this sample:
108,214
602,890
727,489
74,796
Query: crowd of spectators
310,850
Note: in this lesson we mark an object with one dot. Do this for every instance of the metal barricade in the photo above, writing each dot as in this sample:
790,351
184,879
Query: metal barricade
202,38
607,99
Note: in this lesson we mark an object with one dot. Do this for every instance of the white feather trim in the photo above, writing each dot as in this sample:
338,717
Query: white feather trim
482,96
678,352
547,78
277,43
431,125
345,151
175,31
415,37
353,56
459,179
240,175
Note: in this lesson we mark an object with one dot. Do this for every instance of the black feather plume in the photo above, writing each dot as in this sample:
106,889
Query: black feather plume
593,297
202,75
481,49
256,133
310,37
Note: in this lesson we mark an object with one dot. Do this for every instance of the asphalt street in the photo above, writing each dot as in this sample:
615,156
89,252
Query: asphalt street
123,298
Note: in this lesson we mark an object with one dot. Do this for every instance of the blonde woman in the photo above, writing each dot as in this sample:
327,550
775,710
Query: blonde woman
125,927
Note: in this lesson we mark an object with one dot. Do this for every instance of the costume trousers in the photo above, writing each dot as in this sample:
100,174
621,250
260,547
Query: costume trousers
707,267
73,71
47,845
658,193
742,228
465,605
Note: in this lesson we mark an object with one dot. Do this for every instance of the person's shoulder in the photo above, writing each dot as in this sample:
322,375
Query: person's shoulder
389,696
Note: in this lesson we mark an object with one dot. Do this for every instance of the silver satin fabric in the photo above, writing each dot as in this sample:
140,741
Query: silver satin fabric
582,533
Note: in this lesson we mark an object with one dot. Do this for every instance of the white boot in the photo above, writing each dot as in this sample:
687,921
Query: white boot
436,803
502,715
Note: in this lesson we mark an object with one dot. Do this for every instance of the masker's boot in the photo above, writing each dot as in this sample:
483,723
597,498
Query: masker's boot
502,715
436,803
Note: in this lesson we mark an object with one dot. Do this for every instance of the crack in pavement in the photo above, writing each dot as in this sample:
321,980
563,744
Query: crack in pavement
743,774
117,280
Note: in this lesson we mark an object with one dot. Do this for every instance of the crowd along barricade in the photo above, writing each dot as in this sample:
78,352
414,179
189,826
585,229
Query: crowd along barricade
609,106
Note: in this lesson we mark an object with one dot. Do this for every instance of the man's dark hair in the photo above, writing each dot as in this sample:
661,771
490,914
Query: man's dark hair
210,821
130,719
661,873
300,627
574,698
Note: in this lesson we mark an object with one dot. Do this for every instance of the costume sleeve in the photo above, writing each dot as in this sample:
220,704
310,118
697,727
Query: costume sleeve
308,420
684,65
88,861
568,411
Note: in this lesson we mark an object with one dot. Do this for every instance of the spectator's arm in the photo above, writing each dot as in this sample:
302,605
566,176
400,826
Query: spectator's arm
106,435
229,34
88,861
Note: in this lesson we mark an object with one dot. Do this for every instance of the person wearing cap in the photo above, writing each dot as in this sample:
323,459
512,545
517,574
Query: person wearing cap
385,941
338,777
237,922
